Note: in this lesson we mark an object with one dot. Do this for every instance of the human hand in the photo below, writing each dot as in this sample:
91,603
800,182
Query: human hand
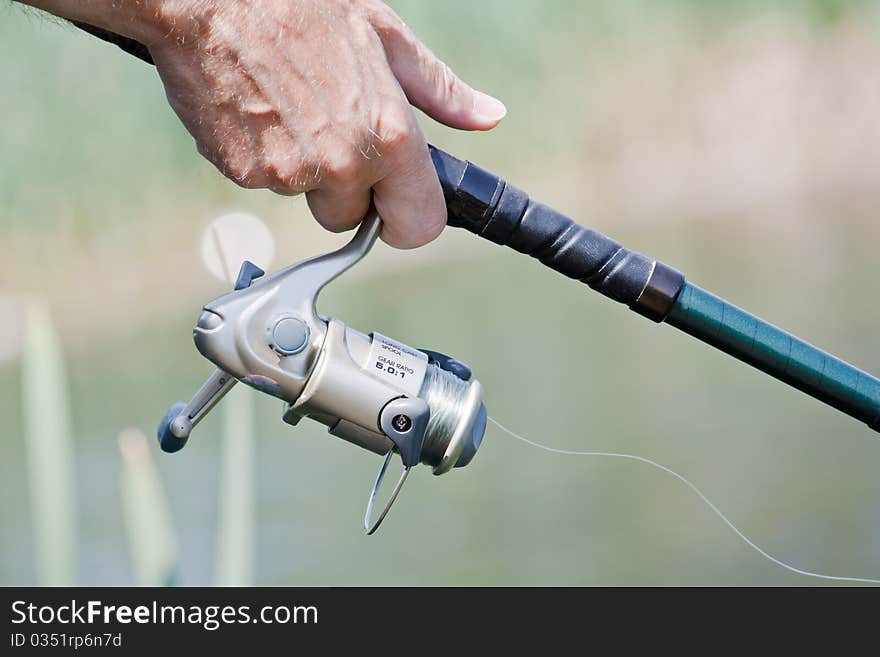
306,96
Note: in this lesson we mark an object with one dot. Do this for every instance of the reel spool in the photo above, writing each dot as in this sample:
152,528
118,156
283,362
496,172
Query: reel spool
369,390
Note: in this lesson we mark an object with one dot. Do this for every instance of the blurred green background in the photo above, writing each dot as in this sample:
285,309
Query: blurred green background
739,141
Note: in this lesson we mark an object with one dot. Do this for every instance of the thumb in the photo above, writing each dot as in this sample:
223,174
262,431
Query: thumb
431,85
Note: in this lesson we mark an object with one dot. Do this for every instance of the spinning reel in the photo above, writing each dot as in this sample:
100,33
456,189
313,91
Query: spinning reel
367,389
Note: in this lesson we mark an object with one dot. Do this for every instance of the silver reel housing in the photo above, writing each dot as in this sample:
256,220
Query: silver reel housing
367,389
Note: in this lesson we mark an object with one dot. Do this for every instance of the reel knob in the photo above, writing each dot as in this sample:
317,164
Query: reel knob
172,431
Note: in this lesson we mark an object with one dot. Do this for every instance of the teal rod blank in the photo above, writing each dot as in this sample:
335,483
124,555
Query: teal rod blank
778,353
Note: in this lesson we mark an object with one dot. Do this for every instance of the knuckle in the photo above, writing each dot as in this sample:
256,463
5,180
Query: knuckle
345,166
278,171
287,174
387,23
446,82
396,132
296,175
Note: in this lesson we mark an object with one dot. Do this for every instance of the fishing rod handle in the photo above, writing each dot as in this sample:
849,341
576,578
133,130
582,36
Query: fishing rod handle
487,206
491,208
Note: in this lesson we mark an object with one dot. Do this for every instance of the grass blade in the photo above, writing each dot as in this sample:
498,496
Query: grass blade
151,537
237,526
49,447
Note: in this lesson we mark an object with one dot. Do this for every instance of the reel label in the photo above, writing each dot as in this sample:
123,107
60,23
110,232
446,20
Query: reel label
401,366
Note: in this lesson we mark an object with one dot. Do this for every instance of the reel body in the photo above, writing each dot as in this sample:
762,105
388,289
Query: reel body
369,390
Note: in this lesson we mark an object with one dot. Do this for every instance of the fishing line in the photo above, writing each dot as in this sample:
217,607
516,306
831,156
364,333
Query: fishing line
700,494
445,394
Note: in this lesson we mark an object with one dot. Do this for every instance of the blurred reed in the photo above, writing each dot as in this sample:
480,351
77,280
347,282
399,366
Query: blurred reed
151,537
237,522
49,448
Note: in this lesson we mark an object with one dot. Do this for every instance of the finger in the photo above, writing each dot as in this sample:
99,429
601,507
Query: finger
409,197
339,209
430,84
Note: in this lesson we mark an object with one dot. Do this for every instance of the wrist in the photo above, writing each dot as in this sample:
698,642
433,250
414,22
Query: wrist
146,21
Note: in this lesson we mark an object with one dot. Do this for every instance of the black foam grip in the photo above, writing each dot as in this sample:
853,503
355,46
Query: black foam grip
491,208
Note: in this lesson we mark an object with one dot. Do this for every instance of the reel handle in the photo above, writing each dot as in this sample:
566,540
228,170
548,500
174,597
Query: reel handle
486,205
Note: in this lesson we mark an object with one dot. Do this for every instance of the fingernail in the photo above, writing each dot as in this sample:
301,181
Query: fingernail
488,108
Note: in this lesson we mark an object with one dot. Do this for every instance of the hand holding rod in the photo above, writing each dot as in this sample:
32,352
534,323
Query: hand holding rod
489,207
